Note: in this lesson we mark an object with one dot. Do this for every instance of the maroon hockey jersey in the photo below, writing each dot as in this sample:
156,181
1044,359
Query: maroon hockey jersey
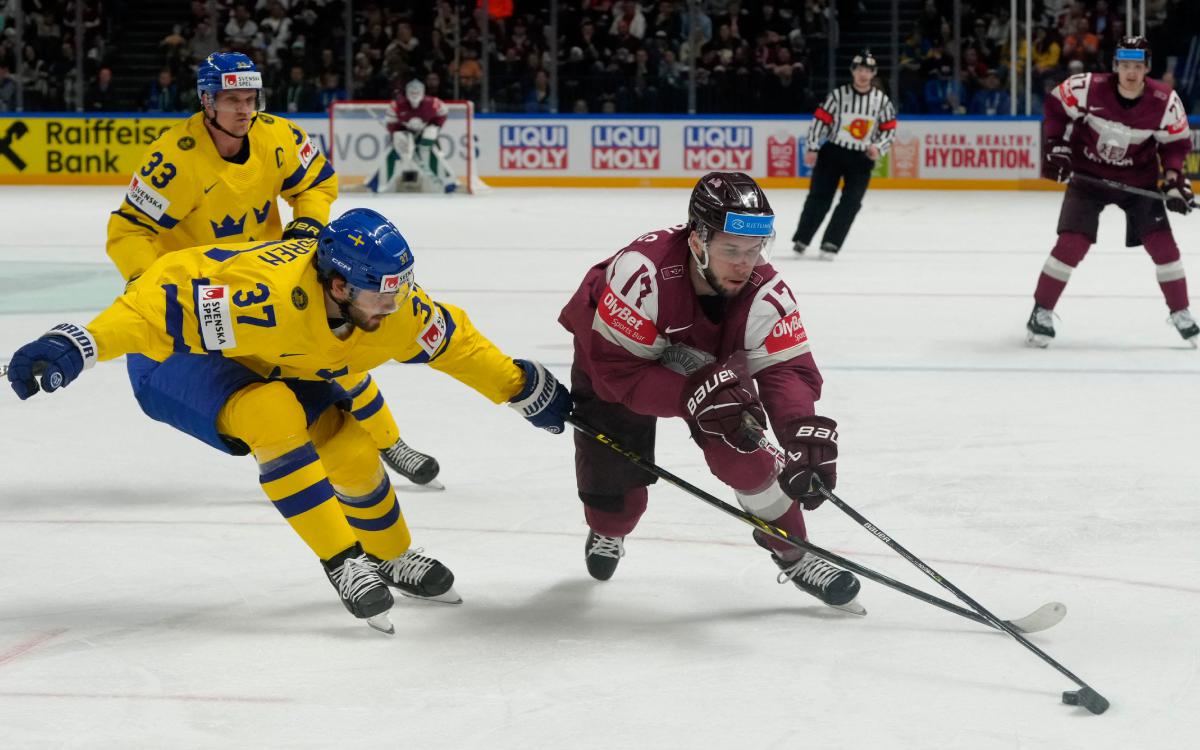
403,116
639,327
1111,141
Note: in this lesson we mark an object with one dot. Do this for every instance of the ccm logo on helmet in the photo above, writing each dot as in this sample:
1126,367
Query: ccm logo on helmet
708,386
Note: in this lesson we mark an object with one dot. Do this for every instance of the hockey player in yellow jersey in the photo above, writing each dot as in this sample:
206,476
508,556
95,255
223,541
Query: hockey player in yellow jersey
215,178
245,343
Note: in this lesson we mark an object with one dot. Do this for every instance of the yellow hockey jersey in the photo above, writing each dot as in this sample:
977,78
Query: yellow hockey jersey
184,194
263,305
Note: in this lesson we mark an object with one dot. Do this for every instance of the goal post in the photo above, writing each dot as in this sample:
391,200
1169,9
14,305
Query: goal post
359,141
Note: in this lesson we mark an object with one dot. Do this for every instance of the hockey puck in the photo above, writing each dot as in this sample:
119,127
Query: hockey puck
1086,697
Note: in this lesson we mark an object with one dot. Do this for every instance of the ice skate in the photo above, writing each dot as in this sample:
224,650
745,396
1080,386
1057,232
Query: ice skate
413,465
799,247
602,554
420,577
835,587
1041,327
354,576
1186,325
829,251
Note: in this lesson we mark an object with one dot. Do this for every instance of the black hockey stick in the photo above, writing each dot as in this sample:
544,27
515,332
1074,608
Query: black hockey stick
1101,182
1044,617
1085,696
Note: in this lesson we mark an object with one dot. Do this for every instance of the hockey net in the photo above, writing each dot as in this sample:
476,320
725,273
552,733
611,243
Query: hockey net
359,141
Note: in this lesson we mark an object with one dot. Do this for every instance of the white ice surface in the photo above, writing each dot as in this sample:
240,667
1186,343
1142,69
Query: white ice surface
150,597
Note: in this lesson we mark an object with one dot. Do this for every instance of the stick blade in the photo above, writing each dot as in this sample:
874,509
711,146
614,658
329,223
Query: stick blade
1043,618
1086,697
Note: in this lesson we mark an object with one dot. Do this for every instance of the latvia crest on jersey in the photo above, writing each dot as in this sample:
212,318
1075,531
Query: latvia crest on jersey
1112,140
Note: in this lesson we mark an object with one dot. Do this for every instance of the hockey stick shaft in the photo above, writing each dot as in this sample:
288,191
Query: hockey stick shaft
770,529
861,520
1101,182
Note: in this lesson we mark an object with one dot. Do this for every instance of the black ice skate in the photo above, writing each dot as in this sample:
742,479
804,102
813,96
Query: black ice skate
1186,325
602,554
1040,327
829,251
354,576
836,587
419,577
799,247
413,465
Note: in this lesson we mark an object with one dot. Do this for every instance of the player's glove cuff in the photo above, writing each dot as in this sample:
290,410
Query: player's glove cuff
81,338
302,228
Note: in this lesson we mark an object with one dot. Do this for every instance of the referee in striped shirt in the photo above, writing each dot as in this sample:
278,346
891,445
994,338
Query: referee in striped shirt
857,122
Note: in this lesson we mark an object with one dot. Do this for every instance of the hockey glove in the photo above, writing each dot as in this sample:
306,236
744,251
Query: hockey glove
811,448
1058,162
1178,192
57,358
302,228
543,401
714,402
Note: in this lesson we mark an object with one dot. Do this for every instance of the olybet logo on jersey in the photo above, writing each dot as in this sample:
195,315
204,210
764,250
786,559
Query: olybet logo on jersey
726,148
625,147
786,333
533,147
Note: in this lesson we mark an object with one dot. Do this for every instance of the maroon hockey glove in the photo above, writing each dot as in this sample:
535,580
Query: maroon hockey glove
811,448
1178,192
714,401
1058,161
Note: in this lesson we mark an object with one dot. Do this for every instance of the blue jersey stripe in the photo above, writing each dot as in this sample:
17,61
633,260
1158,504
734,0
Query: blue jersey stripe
174,318
134,220
370,409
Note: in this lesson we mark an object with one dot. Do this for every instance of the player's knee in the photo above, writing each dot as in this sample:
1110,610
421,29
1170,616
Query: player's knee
1161,247
263,414
1071,247
747,472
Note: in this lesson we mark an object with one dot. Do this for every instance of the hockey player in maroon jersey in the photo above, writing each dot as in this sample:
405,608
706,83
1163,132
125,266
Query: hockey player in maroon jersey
692,322
414,122
1116,127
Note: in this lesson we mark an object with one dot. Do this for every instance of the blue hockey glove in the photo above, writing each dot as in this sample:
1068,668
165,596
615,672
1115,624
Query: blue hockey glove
543,401
57,358
302,228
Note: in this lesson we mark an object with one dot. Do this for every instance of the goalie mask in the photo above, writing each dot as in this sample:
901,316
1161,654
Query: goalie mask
414,92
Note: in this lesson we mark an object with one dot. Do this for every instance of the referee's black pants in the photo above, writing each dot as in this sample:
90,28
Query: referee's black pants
834,164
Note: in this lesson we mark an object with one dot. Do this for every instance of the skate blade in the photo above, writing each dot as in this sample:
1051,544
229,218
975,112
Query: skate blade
450,596
382,623
432,485
1038,340
851,607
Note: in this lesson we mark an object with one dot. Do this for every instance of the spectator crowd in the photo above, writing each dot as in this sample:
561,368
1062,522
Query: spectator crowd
612,55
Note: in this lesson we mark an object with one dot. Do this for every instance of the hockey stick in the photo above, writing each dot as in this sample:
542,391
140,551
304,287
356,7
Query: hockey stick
1101,182
1044,617
1085,696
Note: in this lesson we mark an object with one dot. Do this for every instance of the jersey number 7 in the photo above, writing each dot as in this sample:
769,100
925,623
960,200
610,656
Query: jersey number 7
257,297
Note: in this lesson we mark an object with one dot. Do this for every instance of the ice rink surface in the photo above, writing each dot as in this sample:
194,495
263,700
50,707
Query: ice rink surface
151,597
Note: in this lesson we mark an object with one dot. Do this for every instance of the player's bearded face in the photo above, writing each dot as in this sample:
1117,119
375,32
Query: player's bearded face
234,110
731,260
367,310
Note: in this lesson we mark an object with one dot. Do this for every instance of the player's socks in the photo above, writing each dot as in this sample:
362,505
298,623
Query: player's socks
376,519
299,489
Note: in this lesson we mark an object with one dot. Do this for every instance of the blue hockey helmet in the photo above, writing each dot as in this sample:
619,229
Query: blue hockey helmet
225,71
368,251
